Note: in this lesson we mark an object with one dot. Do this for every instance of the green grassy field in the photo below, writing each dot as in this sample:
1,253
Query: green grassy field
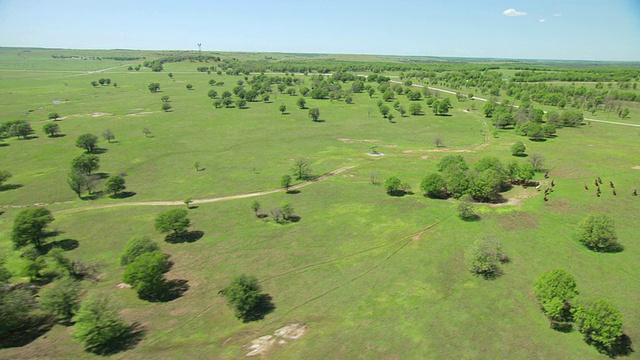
372,276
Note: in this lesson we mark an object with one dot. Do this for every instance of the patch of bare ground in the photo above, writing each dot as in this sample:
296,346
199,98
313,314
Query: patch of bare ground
262,344
443,150
517,199
637,167
517,220
559,206
143,113
351,141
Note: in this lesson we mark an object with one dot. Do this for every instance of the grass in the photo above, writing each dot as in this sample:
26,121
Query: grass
372,276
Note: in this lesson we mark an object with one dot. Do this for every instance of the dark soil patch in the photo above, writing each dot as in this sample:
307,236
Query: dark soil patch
517,220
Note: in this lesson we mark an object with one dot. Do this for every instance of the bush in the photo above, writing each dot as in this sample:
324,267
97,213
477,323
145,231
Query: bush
62,298
597,232
136,247
434,186
98,325
600,322
243,295
554,290
484,257
145,275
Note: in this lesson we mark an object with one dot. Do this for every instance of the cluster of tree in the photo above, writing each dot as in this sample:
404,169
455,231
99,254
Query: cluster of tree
82,177
282,214
17,128
145,268
102,82
483,182
207,69
395,187
598,320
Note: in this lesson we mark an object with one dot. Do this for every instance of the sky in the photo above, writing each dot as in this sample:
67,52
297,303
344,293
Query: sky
516,29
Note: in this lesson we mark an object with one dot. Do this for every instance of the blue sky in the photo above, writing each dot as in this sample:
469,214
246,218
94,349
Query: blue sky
523,29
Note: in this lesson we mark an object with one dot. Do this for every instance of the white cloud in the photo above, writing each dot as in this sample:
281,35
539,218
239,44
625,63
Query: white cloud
542,20
558,14
513,12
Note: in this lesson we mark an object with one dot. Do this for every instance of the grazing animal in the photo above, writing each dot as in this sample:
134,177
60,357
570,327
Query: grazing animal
596,182
611,184
585,186
546,191
546,175
545,198
635,192
598,194
538,187
614,192
599,180
553,183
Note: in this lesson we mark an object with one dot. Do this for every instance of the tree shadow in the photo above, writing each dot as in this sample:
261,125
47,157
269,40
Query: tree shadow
294,218
174,289
10,187
32,329
523,155
397,193
66,245
3,144
190,207
98,151
319,121
263,307
123,195
471,218
293,192
57,136
93,195
538,140
184,237
623,346
101,175
129,338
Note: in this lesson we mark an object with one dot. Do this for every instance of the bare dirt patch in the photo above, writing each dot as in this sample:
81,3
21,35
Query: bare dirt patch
438,150
517,199
123,286
142,113
262,344
637,167
351,141
98,114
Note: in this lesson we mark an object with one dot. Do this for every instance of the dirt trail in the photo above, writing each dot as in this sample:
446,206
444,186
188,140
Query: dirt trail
203,201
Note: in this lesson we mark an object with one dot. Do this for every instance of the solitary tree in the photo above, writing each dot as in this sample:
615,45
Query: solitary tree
393,186
466,209
114,184
415,109
165,107
154,87
384,110
189,87
484,257
108,135
518,148
85,164
554,289
62,298
98,326
145,275
537,160
301,169
87,142
51,128
146,132
314,114
301,102
600,322
165,98
597,232
175,220
29,227
255,206
135,247
285,182
244,296
282,108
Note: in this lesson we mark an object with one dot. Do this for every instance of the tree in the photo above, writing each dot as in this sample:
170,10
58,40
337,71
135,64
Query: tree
285,182
242,103
77,182
434,186
17,307
108,135
518,148
488,109
255,206
146,132
114,183
348,99
97,325
4,176
466,209
554,289
443,106
415,109
301,102
165,107
94,83
384,110
282,108
600,322
244,296
227,102
393,186
20,128
51,128
484,257
301,169
173,220
87,142
537,161
53,116
527,172
189,87
597,232
439,141
62,298
154,87
86,163
145,275
135,247
29,227
165,98
314,114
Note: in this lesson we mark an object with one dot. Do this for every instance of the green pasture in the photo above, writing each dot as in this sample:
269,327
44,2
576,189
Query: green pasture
372,276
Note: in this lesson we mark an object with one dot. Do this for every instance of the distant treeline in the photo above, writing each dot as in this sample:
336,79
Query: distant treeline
117,58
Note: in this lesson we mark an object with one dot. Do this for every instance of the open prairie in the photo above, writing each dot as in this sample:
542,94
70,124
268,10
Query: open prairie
369,275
